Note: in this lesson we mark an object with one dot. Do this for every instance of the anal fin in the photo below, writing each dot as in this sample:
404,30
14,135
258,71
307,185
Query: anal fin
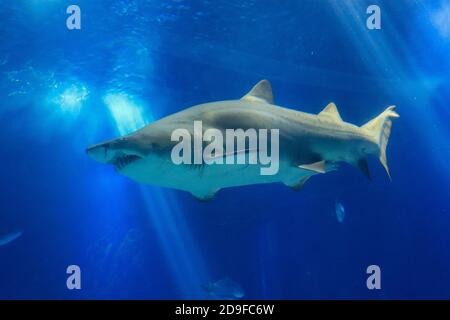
299,185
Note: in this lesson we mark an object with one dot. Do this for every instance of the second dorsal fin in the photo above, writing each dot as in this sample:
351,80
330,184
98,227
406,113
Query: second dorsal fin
318,167
331,112
261,92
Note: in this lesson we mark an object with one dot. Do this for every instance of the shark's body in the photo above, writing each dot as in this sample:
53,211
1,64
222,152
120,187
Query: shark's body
308,144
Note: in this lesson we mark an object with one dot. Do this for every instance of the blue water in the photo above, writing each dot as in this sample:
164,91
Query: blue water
135,61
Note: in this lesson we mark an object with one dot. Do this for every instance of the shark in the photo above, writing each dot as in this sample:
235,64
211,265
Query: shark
309,144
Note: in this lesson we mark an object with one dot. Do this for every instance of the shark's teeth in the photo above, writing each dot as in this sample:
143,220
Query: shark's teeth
120,161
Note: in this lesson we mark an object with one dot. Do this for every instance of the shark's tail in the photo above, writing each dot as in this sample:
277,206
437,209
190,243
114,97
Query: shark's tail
380,127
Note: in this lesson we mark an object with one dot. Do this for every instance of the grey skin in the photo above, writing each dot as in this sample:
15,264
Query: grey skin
308,145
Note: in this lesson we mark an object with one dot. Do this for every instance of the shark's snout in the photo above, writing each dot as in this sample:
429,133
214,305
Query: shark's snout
99,152
113,152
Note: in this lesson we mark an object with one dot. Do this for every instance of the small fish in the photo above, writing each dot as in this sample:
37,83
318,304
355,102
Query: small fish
224,289
10,237
340,212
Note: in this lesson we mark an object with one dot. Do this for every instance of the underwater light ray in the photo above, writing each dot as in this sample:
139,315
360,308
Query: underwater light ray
72,98
187,267
184,260
161,223
127,114
441,20
301,74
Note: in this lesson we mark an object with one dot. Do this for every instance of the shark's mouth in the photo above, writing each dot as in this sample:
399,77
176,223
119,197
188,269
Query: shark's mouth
121,160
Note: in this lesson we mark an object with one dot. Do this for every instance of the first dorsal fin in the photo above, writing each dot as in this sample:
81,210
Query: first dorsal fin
331,111
261,92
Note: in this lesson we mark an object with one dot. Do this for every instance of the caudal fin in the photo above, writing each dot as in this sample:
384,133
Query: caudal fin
380,127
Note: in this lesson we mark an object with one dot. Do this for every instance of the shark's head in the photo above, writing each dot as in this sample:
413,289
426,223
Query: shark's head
127,154
118,152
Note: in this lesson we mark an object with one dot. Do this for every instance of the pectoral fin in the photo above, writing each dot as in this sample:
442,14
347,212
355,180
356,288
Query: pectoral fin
318,167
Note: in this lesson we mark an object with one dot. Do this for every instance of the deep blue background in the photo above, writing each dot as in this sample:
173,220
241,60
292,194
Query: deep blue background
153,58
